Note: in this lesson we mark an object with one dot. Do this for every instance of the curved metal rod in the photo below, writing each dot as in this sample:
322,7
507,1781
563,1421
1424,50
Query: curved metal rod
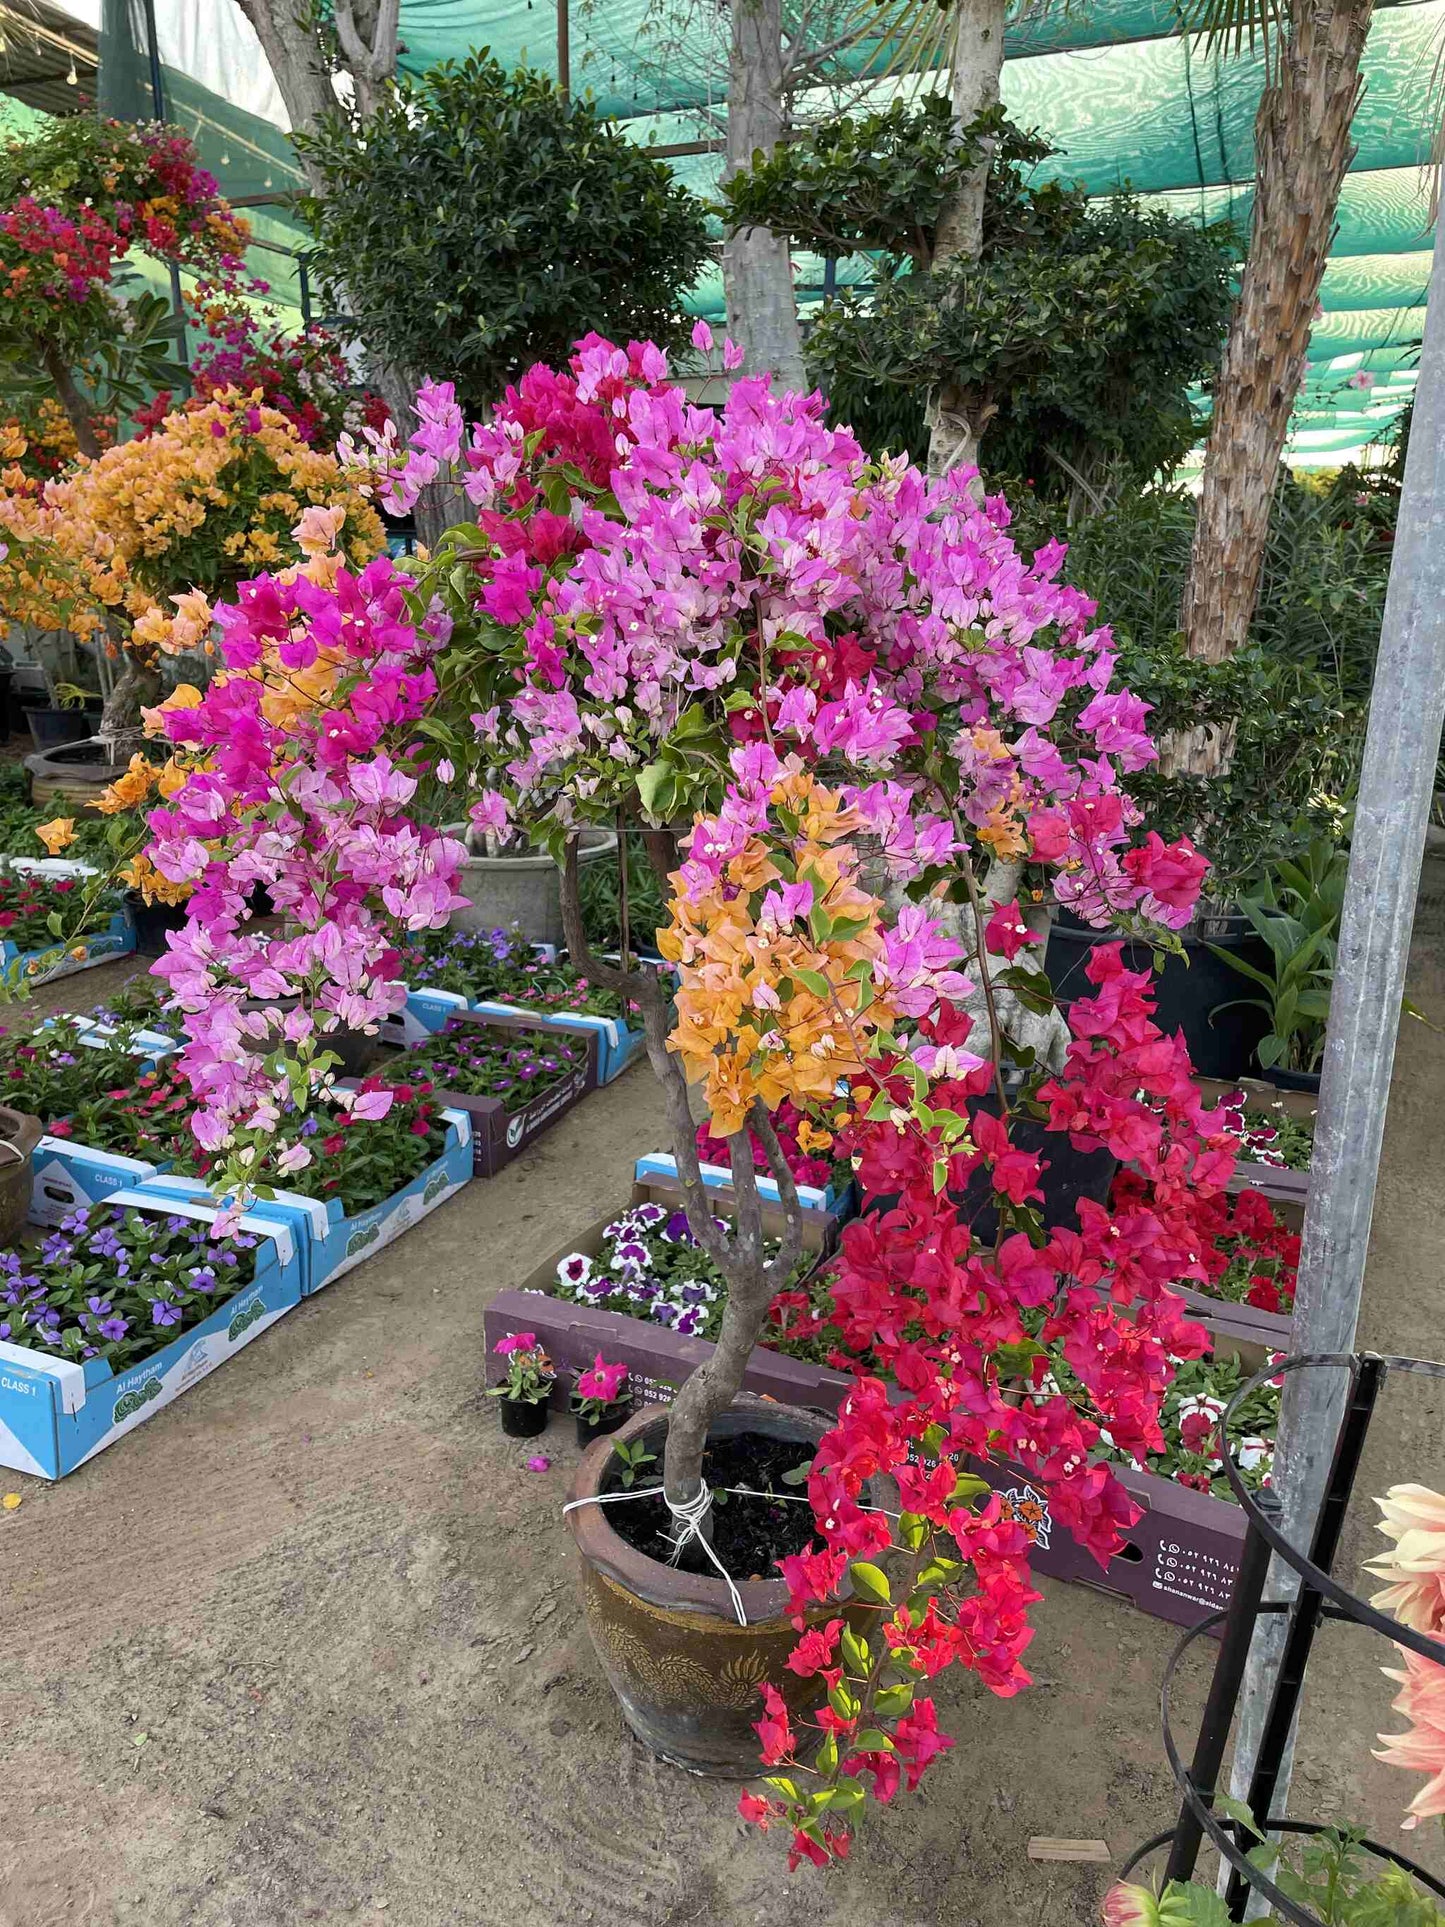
1273,1825
1318,1580
1227,1848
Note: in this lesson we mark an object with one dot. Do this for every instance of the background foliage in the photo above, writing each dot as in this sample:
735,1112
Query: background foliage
486,221
1076,335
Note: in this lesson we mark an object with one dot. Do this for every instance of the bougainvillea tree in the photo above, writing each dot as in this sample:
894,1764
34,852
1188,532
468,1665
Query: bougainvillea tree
866,745
125,551
75,199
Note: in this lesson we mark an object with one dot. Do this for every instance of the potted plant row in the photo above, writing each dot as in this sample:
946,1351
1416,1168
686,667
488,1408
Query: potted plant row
122,1308
500,971
824,1180
638,1286
601,1397
351,1177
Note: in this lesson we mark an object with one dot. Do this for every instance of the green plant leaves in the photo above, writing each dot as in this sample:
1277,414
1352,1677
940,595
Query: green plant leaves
870,1582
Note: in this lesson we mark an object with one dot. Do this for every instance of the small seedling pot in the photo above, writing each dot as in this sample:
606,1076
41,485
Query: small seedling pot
610,1421
523,1418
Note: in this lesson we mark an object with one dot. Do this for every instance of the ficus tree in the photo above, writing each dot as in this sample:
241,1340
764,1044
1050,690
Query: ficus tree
1070,342
489,220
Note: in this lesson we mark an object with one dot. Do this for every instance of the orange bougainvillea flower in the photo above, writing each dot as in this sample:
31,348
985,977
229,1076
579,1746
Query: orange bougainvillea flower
58,834
776,961
128,790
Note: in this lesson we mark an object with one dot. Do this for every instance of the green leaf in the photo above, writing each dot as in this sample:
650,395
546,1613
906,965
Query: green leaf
844,1703
856,1656
893,1702
873,1739
870,1583
657,790
815,981
827,1760
785,1788
843,1797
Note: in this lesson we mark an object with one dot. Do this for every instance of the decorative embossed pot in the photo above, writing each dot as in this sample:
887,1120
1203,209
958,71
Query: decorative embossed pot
686,1673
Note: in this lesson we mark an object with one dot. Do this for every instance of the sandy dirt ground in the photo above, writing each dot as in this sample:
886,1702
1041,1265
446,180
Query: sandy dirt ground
305,1648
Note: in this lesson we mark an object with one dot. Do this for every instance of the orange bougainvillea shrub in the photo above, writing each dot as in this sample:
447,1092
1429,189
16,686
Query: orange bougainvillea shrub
155,527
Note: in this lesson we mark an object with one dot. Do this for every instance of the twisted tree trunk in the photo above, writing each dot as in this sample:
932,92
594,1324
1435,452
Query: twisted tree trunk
757,267
1302,151
955,416
751,1282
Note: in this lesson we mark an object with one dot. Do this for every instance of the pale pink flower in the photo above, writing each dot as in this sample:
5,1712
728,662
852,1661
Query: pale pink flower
1128,1906
1414,1517
1422,1748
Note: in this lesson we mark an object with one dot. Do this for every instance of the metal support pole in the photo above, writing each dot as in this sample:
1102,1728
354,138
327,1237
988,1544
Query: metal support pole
564,46
1407,708
1273,1759
1223,1692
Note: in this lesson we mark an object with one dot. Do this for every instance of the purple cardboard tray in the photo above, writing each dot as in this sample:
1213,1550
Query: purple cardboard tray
1181,1557
498,1135
657,1360
1179,1560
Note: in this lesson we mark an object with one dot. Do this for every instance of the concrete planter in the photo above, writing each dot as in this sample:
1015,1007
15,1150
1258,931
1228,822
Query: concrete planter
525,890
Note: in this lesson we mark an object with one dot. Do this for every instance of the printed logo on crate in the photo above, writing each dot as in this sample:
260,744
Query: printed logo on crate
1024,1506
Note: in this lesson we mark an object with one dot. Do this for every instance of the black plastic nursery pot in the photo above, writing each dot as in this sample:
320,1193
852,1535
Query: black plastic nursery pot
152,921
523,1418
687,1675
1283,1080
1067,1176
356,1050
50,727
1186,991
612,1420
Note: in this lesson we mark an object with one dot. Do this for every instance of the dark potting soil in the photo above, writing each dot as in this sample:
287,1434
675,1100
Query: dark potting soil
749,1535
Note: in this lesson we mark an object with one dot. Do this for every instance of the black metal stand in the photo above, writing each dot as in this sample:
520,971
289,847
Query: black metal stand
1320,1597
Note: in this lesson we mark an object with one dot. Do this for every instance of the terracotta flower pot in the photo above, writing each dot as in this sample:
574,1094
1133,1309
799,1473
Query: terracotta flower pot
686,1674
19,1135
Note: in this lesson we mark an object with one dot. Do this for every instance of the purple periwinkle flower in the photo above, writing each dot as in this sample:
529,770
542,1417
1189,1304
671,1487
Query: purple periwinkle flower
114,1328
164,1313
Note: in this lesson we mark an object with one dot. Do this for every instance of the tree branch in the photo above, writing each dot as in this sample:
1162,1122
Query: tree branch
790,1250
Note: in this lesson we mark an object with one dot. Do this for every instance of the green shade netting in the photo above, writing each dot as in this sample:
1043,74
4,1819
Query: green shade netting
1124,95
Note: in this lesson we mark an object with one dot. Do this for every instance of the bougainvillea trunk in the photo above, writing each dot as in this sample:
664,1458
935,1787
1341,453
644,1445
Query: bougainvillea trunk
751,1281
1302,150
757,267
954,424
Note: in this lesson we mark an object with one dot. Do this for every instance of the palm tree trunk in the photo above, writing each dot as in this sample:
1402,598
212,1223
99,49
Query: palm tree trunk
955,419
757,267
1302,150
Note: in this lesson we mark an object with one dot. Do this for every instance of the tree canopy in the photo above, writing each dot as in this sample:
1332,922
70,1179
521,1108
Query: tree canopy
482,220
